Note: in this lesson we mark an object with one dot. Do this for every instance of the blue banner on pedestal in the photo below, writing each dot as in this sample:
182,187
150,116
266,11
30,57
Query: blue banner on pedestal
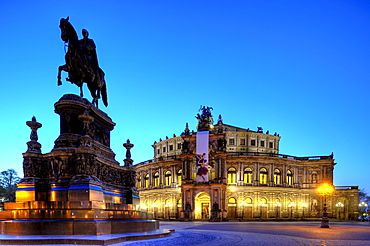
202,166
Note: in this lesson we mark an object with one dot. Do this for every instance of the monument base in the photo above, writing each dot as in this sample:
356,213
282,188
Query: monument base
82,239
76,227
78,188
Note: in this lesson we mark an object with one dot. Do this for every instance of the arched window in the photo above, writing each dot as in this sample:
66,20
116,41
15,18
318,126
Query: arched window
138,183
231,175
232,200
179,177
289,177
248,200
263,176
277,176
277,202
168,178
248,175
264,200
146,180
156,179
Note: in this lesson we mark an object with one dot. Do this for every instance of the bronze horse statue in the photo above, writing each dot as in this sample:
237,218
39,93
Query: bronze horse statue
80,67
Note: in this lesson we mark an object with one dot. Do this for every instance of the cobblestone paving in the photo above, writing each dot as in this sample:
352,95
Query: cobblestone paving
259,233
192,233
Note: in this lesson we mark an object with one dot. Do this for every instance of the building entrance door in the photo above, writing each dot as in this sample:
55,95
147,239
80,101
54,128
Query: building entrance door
205,210
202,210
248,213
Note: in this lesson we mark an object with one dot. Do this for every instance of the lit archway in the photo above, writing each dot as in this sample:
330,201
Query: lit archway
202,206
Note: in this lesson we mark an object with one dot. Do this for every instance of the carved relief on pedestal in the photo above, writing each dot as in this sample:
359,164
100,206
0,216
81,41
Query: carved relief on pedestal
32,167
86,164
58,167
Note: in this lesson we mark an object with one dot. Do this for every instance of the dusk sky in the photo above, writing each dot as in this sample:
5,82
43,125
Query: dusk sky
299,68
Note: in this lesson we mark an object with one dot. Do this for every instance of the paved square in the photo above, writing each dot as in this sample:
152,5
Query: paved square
262,233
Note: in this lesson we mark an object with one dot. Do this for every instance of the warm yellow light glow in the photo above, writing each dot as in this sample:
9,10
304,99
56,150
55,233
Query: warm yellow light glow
339,204
291,204
362,204
277,204
304,204
325,189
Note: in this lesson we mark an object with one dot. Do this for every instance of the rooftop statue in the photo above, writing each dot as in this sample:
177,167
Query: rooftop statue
82,63
206,116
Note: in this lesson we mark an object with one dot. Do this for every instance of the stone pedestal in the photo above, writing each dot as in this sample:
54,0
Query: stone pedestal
78,188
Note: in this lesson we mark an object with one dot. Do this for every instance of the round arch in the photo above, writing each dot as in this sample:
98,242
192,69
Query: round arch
202,206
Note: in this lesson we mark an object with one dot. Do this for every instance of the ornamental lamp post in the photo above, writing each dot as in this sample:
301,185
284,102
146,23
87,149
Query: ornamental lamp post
363,206
277,206
325,190
242,203
154,205
291,205
260,204
169,205
143,207
339,205
304,205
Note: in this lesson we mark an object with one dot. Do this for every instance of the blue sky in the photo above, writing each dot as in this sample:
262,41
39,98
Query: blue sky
299,68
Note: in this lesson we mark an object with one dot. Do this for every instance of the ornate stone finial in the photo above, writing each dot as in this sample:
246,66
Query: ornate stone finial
220,121
187,131
128,161
219,124
33,145
34,125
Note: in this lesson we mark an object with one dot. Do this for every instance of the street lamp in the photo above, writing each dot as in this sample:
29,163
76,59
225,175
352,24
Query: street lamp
277,206
154,205
260,204
363,207
242,203
339,205
291,205
143,207
325,190
304,205
169,205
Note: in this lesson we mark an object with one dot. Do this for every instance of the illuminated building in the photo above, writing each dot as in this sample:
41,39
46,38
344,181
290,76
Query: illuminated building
247,179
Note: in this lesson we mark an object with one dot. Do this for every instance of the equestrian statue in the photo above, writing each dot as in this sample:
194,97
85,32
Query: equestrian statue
82,63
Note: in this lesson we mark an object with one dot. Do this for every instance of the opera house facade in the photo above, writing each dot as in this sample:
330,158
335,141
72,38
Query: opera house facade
222,172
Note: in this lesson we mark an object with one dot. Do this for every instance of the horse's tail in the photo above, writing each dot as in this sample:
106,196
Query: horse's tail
104,95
